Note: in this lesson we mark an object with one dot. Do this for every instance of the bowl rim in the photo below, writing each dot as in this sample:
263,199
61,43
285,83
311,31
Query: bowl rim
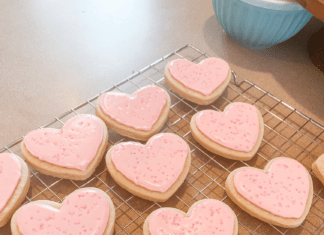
275,4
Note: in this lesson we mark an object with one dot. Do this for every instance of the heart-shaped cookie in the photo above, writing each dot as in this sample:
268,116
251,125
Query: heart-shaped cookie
281,194
72,152
87,211
235,133
14,185
153,171
205,217
201,83
139,116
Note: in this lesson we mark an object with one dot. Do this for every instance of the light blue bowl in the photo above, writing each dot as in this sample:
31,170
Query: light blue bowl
260,24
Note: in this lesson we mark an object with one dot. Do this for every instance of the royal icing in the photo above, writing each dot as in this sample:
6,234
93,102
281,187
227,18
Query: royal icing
74,146
204,77
154,166
282,190
210,217
85,212
237,128
10,174
139,111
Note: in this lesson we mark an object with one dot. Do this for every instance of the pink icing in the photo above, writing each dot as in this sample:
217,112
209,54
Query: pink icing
237,128
208,218
85,212
282,191
156,165
204,77
140,111
10,174
74,146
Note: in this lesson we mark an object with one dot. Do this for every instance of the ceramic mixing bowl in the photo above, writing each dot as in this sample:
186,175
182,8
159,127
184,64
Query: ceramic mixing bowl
260,23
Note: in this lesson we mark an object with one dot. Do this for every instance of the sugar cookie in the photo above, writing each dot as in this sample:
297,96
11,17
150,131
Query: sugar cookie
139,116
281,194
153,171
235,133
201,83
73,152
318,168
86,211
14,185
205,217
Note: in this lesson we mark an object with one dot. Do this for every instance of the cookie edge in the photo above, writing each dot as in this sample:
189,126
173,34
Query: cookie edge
317,166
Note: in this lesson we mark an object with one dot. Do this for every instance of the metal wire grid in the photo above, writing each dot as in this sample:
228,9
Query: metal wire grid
287,133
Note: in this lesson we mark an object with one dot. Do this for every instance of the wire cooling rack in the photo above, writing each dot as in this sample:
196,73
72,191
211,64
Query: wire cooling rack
287,133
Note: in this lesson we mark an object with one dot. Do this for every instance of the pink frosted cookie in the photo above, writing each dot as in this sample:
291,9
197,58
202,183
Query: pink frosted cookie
72,152
87,211
235,133
14,185
153,171
138,116
205,217
201,83
281,194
